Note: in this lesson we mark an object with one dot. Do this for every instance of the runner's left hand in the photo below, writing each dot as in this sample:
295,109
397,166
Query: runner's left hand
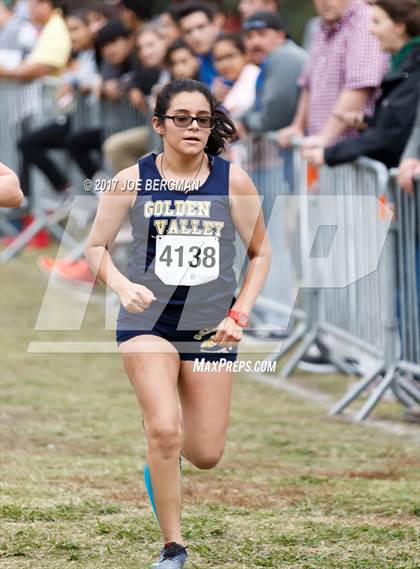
228,333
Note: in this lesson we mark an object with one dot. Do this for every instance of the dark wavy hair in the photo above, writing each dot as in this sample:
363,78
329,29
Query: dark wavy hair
403,12
188,8
223,131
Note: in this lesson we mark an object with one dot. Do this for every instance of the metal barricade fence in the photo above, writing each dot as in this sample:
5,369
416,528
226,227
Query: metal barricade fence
408,232
116,116
84,112
23,106
342,319
271,169
363,317
364,309
357,319
28,106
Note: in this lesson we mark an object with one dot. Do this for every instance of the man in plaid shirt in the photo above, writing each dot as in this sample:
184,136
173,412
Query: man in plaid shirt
344,69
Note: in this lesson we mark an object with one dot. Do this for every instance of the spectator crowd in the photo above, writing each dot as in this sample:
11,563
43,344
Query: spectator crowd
354,93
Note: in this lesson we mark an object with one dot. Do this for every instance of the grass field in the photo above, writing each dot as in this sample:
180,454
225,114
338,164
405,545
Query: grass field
294,489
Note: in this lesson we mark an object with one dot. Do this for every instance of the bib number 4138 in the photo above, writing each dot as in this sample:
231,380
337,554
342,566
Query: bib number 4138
187,260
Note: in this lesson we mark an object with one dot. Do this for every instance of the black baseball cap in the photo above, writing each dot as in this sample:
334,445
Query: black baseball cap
262,20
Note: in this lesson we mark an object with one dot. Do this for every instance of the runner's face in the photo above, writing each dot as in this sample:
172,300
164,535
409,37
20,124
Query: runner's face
191,140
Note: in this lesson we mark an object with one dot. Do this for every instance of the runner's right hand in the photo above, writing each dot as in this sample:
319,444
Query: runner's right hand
135,297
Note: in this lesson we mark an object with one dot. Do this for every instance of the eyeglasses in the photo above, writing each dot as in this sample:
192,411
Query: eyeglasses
183,121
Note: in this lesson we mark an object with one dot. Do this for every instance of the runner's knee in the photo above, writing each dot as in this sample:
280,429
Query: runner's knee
207,459
165,437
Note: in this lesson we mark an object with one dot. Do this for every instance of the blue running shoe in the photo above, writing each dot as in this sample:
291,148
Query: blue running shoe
172,556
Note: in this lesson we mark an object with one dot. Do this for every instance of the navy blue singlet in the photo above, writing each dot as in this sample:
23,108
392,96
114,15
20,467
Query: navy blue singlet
180,239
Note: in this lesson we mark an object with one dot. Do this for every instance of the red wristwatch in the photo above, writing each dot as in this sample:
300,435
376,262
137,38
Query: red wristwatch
241,318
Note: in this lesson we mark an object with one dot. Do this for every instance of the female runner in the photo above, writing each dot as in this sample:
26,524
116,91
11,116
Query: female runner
177,303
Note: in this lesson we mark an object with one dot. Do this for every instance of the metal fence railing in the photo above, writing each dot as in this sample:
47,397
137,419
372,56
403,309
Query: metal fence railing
354,251
271,169
23,108
363,313
28,106
408,224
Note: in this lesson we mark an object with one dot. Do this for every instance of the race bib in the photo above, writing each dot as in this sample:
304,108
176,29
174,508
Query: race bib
187,260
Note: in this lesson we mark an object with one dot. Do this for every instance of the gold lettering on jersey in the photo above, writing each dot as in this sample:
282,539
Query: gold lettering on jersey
208,228
173,228
183,225
195,227
186,209
218,226
178,208
160,225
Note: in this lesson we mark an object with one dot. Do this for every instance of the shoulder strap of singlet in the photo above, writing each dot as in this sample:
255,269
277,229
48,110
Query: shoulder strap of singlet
146,166
220,175
220,172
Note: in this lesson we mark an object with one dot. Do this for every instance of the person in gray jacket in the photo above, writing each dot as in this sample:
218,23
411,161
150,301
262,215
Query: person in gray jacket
281,61
410,163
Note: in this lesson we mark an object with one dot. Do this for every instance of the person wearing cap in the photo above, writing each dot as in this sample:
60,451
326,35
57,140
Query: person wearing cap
248,7
281,62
